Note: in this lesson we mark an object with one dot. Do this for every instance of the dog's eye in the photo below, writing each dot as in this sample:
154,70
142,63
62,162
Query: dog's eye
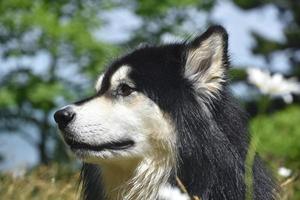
124,90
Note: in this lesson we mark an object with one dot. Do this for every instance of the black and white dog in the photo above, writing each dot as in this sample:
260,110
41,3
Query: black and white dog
161,113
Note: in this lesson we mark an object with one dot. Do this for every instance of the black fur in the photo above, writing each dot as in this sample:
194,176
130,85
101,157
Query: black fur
91,183
212,147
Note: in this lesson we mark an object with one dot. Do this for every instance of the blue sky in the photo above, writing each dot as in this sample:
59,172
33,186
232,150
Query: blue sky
19,153
238,23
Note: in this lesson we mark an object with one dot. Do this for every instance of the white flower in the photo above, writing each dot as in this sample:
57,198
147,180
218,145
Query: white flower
275,86
285,172
172,193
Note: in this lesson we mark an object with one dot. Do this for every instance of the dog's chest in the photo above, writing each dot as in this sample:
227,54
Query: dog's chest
169,192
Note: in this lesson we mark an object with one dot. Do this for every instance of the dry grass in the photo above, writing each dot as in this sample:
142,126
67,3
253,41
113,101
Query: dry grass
60,183
290,188
42,183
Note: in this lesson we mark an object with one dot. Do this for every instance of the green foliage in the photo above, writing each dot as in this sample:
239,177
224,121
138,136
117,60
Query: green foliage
279,136
7,97
166,16
154,8
237,74
248,4
279,132
62,30
264,46
289,14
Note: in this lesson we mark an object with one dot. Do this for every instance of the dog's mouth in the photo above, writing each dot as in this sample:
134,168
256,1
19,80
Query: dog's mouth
114,145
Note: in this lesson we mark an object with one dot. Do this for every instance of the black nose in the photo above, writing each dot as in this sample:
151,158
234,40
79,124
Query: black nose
64,116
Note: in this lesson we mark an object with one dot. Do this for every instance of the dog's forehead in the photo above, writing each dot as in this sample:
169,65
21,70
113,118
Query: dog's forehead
151,62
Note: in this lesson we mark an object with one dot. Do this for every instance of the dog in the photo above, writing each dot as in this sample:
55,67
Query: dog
162,114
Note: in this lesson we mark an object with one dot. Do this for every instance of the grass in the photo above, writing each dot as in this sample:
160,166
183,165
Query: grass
44,182
279,136
58,183
249,168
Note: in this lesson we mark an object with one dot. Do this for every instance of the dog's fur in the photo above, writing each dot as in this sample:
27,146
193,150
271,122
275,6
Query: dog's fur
171,108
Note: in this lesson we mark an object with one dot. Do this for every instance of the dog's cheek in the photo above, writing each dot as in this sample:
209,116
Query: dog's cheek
155,123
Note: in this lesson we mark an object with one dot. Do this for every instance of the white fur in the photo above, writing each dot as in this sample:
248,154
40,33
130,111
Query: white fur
99,82
121,76
207,80
140,171
172,193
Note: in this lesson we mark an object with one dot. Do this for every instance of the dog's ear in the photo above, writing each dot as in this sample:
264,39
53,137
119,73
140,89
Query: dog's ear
207,60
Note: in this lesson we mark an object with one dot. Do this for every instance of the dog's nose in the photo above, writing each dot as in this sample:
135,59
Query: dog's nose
64,116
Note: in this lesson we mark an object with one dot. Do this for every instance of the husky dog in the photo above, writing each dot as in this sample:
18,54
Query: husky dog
163,113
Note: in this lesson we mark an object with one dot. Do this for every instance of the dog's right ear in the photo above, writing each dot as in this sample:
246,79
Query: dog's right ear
207,60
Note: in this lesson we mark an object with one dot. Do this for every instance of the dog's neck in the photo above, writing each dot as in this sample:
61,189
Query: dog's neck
135,179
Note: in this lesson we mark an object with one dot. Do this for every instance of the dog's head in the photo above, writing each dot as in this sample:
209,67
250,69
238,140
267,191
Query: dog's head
129,115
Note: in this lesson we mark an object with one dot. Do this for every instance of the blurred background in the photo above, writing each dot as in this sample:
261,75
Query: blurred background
52,51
